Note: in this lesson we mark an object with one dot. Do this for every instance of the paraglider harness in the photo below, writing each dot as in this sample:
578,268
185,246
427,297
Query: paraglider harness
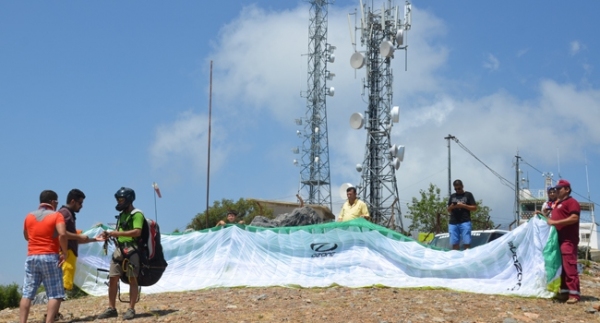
148,248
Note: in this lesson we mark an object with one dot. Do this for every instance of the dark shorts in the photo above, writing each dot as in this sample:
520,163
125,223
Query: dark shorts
126,261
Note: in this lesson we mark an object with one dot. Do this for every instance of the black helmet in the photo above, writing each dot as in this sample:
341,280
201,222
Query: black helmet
129,196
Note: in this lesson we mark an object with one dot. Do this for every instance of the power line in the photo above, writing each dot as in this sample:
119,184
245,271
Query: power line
524,161
575,193
503,180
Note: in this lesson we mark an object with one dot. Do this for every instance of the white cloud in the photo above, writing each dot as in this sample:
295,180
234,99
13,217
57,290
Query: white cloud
184,144
258,62
259,74
522,52
574,47
492,63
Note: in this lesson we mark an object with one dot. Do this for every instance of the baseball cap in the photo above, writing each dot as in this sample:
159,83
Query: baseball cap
563,183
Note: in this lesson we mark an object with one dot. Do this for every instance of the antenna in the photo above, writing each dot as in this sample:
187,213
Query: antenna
362,15
396,18
352,35
587,178
315,178
592,207
558,161
381,33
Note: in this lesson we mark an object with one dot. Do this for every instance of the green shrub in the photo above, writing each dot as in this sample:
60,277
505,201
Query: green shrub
9,296
76,292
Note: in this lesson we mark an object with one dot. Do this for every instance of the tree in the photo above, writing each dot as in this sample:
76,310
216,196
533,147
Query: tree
245,209
429,214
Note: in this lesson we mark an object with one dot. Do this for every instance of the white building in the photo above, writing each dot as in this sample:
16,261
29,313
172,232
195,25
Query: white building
532,200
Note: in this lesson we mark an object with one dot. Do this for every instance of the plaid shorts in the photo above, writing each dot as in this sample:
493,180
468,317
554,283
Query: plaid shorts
43,269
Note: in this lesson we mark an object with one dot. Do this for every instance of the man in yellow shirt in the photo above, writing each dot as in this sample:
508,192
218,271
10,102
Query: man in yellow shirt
353,208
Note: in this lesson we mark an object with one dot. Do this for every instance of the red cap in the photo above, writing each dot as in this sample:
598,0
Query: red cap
563,183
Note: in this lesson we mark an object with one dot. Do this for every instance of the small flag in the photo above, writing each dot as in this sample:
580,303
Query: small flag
156,189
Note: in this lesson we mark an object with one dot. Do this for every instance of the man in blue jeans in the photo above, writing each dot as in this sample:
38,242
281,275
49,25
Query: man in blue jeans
460,206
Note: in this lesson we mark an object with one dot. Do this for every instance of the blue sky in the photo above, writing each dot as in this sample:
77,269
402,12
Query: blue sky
99,95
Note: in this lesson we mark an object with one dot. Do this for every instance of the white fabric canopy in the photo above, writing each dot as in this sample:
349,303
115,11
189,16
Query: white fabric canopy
524,262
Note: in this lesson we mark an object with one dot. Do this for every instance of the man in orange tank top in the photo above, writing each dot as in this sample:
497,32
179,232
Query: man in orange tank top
45,232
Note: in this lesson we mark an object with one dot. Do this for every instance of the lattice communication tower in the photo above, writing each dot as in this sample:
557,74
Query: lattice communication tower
381,32
315,178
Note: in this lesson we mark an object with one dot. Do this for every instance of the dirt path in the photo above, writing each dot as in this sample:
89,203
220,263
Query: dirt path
337,304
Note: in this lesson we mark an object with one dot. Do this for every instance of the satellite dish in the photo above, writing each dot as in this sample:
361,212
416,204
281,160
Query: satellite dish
331,58
331,91
296,162
400,37
396,163
359,168
343,189
394,151
356,120
400,153
357,60
386,49
395,114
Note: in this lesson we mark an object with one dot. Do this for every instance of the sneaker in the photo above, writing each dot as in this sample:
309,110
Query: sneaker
561,297
129,315
572,300
109,312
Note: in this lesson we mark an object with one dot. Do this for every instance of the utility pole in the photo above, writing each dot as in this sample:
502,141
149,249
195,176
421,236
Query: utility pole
517,189
450,137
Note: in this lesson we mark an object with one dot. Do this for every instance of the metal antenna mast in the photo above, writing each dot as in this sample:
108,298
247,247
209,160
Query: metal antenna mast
381,33
315,178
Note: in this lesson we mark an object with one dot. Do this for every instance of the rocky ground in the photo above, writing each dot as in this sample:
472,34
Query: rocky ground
336,304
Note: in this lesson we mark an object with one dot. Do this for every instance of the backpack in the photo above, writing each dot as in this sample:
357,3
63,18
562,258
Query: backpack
150,251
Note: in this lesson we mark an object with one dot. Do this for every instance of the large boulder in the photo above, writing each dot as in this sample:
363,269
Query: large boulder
300,216
40,298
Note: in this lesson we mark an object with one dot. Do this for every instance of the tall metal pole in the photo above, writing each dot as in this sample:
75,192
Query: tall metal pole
517,189
155,211
209,132
315,178
449,165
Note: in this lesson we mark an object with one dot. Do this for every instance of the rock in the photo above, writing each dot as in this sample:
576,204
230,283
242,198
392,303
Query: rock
531,315
261,297
300,216
40,298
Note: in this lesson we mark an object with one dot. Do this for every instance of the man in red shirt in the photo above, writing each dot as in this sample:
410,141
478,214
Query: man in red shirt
45,232
565,218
